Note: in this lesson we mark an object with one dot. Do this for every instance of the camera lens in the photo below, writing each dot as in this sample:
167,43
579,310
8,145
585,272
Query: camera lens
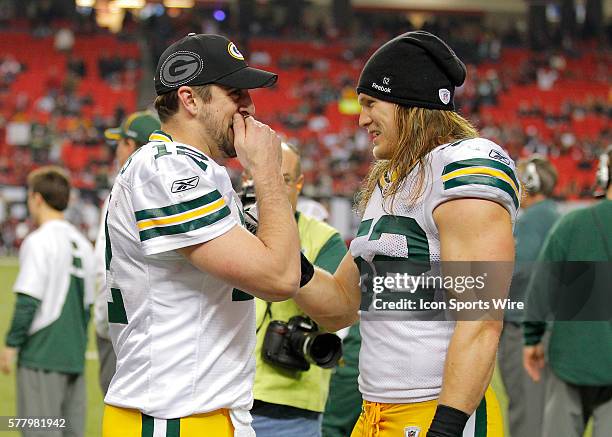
324,349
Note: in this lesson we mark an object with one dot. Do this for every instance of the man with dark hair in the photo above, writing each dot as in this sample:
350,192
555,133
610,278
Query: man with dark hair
571,283
133,133
526,397
437,192
182,271
54,295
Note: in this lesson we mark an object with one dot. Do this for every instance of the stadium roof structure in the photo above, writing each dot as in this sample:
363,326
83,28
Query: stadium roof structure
512,6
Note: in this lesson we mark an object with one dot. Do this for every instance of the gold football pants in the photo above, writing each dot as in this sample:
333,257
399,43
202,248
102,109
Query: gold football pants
413,420
123,422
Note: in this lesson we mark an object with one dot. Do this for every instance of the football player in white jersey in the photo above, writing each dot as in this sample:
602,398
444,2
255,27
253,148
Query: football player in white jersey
437,193
133,133
178,258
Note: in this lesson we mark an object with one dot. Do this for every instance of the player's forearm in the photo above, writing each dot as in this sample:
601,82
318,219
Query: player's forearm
327,302
469,364
277,229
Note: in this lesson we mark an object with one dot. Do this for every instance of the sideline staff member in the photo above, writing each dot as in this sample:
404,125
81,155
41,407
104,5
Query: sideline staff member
294,399
54,297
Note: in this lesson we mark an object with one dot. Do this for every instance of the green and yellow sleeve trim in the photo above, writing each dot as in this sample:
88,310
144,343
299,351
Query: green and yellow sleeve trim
482,171
181,217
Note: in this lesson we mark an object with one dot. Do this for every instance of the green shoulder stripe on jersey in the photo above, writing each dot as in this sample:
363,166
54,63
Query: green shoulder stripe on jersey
481,162
182,228
483,180
195,156
179,208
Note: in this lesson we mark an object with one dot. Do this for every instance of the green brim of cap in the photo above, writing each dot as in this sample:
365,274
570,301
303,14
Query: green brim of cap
113,134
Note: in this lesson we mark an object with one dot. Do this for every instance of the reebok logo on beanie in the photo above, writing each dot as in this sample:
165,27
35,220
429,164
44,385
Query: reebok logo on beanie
381,88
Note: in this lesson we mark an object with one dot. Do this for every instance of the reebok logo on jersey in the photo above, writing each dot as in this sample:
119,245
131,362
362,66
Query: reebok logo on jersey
412,431
185,184
180,68
384,89
496,155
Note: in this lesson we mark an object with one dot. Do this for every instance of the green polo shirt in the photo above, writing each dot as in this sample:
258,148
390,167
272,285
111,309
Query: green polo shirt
573,277
530,231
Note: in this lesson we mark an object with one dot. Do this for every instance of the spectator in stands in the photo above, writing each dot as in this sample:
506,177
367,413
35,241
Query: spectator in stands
77,66
9,69
64,40
526,398
573,276
54,292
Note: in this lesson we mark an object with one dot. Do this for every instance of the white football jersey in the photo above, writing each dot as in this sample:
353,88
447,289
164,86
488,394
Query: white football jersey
72,256
184,339
101,301
402,361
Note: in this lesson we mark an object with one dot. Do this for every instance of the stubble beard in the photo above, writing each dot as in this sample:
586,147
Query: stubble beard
219,135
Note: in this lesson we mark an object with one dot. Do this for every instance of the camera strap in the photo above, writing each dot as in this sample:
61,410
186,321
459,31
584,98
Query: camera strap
267,313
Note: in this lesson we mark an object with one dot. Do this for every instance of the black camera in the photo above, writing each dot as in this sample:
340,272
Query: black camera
295,344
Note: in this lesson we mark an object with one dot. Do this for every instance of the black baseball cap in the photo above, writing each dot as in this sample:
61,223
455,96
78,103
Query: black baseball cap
201,59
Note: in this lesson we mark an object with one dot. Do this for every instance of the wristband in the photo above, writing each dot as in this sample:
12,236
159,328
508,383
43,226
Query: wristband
307,270
447,422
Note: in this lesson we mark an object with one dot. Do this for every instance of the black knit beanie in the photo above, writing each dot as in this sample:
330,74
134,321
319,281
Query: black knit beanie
413,69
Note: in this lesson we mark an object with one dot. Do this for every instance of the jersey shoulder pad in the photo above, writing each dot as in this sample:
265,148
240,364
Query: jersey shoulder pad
477,168
179,197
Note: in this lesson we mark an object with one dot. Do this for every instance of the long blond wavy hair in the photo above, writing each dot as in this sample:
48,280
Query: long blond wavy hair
420,131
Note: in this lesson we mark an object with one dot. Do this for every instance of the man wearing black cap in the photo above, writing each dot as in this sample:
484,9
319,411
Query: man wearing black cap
436,193
177,257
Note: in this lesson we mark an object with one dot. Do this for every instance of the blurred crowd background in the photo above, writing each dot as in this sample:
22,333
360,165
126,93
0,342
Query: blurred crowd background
539,81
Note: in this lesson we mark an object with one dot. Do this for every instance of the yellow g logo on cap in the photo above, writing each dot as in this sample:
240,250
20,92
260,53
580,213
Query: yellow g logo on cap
234,52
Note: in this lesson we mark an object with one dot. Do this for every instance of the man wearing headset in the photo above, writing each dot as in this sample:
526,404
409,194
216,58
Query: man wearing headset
526,397
573,276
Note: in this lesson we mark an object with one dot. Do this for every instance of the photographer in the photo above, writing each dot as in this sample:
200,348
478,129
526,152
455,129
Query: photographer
290,401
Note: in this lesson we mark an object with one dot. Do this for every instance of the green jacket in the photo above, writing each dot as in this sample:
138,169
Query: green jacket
572,282
323,246
530,232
